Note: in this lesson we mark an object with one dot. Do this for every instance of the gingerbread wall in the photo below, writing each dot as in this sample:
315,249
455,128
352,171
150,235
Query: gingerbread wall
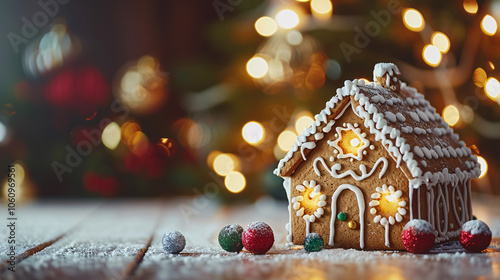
374,233
445,206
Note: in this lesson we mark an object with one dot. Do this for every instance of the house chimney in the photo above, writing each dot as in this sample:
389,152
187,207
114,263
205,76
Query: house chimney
387,74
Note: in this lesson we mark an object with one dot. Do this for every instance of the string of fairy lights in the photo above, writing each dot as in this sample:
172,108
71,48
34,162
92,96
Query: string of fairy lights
286,23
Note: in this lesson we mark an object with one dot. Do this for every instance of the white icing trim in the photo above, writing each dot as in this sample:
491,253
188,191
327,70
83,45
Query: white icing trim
362,168
287,184
307,145
361,207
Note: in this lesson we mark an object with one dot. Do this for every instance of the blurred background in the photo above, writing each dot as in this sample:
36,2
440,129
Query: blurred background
161,98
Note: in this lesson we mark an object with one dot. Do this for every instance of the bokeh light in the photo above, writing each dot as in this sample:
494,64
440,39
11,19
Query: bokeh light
266,26
51,51
287,19
294,37
142,86
303,120
286,140
470,6
451,115
257,67
235,182
111,136
223,164
127,131
492,88
441,41
3,132
432,56
413,20
484,166
489,25
192,134
253,132
211,157
479,77
321,9
139,143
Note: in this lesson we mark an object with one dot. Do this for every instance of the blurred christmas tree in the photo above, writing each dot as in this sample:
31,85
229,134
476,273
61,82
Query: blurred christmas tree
214,114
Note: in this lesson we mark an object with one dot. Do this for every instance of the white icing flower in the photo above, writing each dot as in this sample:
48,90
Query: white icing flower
388,208
310,192
387,195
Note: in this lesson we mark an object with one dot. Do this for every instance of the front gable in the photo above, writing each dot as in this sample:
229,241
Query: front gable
374,169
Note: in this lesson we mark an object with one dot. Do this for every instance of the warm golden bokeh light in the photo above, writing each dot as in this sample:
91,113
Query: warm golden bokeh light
484,166
489,25
413,20
286,140
127,130
223,164
441,41
257,67
235,182
304,120
111,136
451,115
266,26
321,9
492,88
470,6
432,56
139,143
294,37
211,157
253,132
479,77
287,19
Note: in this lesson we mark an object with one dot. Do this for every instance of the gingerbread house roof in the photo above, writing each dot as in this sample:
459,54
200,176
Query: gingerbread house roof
418,139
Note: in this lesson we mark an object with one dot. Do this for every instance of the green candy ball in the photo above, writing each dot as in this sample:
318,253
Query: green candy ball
230,238
313,242
342,216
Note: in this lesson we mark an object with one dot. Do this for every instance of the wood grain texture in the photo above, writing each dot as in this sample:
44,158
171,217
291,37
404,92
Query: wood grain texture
122,240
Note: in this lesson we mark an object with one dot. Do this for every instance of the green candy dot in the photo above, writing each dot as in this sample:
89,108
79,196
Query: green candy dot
313,242
342,216
230,238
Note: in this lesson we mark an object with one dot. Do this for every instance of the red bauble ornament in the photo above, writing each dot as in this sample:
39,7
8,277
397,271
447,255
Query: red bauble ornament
475,236
258,238
418,236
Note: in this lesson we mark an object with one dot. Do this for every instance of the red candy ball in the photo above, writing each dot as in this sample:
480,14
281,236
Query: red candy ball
475,236
418,236
258,238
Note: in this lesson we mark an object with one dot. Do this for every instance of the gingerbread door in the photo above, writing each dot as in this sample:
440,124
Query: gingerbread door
349,226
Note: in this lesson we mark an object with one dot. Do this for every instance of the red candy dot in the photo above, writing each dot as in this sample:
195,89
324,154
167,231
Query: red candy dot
258,238
475,236
418,236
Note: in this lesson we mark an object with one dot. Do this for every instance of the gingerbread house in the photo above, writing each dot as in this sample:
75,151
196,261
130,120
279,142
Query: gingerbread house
375,158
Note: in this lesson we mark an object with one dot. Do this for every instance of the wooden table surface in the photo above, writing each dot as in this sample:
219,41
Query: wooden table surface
120,239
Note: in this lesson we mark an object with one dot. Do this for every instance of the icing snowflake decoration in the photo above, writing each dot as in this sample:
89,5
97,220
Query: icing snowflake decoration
350,142
310,199
388,207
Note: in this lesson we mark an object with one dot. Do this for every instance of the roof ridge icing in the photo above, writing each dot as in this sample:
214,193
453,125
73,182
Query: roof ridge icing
390,137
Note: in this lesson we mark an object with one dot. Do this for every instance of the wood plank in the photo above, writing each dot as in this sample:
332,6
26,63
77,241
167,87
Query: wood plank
43,221
101,248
